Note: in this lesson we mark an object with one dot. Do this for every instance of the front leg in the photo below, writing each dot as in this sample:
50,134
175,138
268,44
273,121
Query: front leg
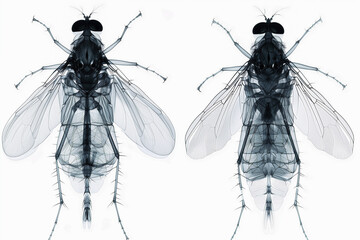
237,45
108,49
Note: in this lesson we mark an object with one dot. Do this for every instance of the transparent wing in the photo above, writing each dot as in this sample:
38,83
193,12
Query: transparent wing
318,120
215,125
33,121
140,119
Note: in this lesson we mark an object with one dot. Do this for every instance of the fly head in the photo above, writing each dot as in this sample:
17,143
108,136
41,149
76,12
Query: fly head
268,27
87,25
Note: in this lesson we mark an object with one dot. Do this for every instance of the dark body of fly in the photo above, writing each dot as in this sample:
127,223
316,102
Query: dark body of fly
268,150
265,98
87,145
87,94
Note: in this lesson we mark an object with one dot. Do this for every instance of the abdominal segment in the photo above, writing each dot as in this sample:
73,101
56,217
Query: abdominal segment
88,156
268,163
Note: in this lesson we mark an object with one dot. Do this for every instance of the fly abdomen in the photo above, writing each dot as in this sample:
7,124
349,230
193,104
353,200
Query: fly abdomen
86,150
86,161
268,163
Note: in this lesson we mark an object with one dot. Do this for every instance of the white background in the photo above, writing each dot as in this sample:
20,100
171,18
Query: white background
177,197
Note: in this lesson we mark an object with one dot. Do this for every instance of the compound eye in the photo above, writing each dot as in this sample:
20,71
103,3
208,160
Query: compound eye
259,28
82,25
276,28
95,25
78,26
272,27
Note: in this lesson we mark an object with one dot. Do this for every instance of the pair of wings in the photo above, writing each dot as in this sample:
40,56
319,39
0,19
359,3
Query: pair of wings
313,115
140,118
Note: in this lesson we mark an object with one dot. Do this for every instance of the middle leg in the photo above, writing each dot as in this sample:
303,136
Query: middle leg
134,64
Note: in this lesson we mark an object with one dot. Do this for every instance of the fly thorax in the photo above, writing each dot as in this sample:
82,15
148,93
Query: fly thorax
268,60
87,60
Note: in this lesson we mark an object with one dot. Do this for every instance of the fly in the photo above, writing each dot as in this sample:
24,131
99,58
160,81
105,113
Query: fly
267,96
86,95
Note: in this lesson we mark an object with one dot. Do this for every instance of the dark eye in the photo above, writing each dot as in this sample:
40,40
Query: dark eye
272,27
82,25
78,26
276,28
95,26
259,28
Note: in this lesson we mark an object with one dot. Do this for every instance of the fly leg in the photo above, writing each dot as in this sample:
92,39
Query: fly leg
241,49
134,64
234,69
243,205
306,67
109,48
298,173
240,158
52,37
296,201
299,40
49,67
115,196
117,155
61,200
57,154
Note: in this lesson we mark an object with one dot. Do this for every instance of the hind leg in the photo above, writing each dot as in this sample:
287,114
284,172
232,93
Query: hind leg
117,155
61,200
57,155
298,173
243,205
296,201
115,198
